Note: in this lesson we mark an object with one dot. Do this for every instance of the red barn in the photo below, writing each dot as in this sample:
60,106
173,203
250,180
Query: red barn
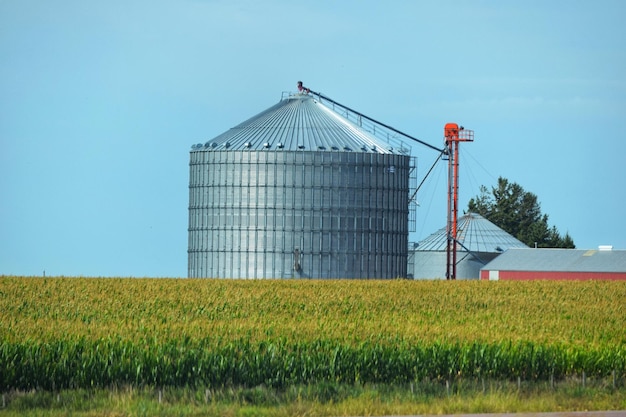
557,264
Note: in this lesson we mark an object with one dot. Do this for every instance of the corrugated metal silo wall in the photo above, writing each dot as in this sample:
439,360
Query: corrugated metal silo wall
432,264
265,214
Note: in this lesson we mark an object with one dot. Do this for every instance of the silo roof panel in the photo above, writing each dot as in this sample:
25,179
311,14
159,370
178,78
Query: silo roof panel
476,234
297,123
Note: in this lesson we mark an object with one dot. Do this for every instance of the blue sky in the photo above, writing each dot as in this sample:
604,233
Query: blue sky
101,101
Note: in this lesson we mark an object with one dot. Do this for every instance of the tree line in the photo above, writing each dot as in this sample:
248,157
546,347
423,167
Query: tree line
518,212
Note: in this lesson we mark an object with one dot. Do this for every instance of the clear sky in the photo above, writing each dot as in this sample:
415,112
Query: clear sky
101,101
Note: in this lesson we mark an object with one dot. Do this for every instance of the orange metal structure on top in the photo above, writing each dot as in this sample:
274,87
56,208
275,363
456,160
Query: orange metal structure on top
453,135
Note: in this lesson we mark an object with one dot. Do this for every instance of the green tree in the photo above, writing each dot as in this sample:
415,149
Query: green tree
518,212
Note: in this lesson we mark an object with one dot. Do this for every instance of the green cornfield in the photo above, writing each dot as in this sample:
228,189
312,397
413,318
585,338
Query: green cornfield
59,333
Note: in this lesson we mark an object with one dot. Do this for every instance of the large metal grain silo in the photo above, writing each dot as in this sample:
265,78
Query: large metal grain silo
298,191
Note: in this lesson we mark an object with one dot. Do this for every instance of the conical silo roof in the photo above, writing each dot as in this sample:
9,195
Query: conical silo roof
476,234
299,122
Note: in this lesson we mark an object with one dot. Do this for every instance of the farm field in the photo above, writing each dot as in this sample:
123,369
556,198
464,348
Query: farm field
95,333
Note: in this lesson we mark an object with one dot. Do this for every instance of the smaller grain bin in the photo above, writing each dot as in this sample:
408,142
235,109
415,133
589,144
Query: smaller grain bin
480,241
298,191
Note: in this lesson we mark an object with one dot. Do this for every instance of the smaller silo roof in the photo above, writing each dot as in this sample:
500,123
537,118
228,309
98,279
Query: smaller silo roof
476,234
